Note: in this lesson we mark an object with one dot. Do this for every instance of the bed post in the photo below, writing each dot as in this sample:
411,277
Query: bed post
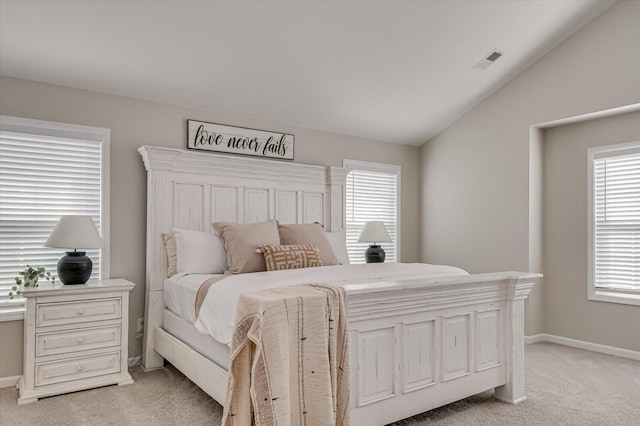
336,178
513,391
156,263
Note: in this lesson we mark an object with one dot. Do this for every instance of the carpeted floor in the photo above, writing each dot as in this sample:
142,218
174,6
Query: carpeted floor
565,386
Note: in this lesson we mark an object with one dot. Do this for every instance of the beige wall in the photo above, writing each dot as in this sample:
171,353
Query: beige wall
11,347
567,312
134,123
475,174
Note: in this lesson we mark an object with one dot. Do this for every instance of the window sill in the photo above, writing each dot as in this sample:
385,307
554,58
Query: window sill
615,297
16,314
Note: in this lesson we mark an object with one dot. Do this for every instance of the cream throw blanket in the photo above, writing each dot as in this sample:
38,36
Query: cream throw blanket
289,360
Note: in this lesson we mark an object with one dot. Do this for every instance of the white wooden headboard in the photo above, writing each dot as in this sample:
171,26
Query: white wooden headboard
192,189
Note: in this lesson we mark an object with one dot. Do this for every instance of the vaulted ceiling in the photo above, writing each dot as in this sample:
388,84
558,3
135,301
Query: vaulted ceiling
397,71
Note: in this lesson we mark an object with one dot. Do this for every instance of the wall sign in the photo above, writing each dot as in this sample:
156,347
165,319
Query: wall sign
239,140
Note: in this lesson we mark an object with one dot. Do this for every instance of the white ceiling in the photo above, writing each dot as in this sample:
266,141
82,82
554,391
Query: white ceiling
398,71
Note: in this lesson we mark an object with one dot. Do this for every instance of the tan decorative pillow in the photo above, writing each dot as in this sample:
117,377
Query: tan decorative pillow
295,256
241,241
172,254
311,233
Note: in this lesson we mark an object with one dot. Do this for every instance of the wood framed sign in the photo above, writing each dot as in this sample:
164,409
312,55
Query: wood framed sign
239,140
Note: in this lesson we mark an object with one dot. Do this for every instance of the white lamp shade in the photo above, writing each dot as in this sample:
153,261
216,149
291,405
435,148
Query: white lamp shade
75,232
374,231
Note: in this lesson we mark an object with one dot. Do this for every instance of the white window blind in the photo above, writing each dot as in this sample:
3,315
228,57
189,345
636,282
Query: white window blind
41,179
372,193
616,195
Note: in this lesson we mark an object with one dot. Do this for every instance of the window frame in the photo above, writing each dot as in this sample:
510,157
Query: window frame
383,168
594,293
72,131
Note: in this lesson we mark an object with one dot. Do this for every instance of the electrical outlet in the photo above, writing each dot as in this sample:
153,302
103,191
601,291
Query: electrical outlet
140,325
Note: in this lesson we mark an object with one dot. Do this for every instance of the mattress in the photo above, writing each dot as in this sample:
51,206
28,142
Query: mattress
205,345
180,293
217,314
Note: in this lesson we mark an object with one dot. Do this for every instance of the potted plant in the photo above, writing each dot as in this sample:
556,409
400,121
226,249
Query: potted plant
29,278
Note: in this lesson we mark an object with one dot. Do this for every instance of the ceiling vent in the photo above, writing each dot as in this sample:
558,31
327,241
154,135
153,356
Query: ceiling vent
493,56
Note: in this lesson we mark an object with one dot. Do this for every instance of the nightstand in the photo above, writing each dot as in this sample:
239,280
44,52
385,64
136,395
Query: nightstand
75,338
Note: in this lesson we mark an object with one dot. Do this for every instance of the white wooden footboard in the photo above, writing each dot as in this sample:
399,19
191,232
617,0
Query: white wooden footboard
417,345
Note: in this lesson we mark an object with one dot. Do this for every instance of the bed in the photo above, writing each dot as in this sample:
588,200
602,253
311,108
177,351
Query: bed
416,341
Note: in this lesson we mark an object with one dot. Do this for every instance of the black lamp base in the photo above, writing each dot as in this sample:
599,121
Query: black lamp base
74,268
374,254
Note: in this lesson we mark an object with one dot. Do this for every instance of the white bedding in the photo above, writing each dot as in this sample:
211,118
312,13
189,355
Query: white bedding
180,294
217,315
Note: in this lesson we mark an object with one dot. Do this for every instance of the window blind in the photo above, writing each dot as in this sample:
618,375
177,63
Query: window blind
41,179
617,222
371,195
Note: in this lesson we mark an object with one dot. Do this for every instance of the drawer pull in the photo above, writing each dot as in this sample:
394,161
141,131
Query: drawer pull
80,311
80,339
80,367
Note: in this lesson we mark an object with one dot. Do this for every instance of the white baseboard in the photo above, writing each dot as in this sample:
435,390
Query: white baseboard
588,346
534,339
8,382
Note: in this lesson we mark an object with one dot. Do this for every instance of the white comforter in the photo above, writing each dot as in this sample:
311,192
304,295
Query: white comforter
217,315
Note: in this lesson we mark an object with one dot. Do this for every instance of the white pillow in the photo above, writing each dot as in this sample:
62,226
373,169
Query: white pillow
199,252
338,243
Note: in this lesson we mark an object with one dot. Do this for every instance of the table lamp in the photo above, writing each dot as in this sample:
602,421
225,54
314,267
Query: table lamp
374,231
73,232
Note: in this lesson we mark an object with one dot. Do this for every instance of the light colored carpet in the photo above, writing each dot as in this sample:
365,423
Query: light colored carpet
565,386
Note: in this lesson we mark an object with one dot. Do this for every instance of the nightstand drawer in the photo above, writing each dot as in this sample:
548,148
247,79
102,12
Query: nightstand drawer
77,368
77,340
77,312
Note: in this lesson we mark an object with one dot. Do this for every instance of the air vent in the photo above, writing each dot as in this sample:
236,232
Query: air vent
493,56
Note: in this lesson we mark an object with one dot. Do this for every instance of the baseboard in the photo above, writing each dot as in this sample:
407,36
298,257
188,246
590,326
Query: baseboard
534,339
9,382
579,344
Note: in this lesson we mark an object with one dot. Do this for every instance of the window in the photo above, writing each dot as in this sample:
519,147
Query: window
372,193
614,223
47,170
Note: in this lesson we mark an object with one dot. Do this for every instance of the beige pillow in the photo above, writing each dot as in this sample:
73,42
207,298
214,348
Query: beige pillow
311,233
296,256
172,254
241,241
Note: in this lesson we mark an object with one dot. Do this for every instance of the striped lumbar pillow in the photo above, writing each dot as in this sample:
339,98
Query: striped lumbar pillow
295,256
